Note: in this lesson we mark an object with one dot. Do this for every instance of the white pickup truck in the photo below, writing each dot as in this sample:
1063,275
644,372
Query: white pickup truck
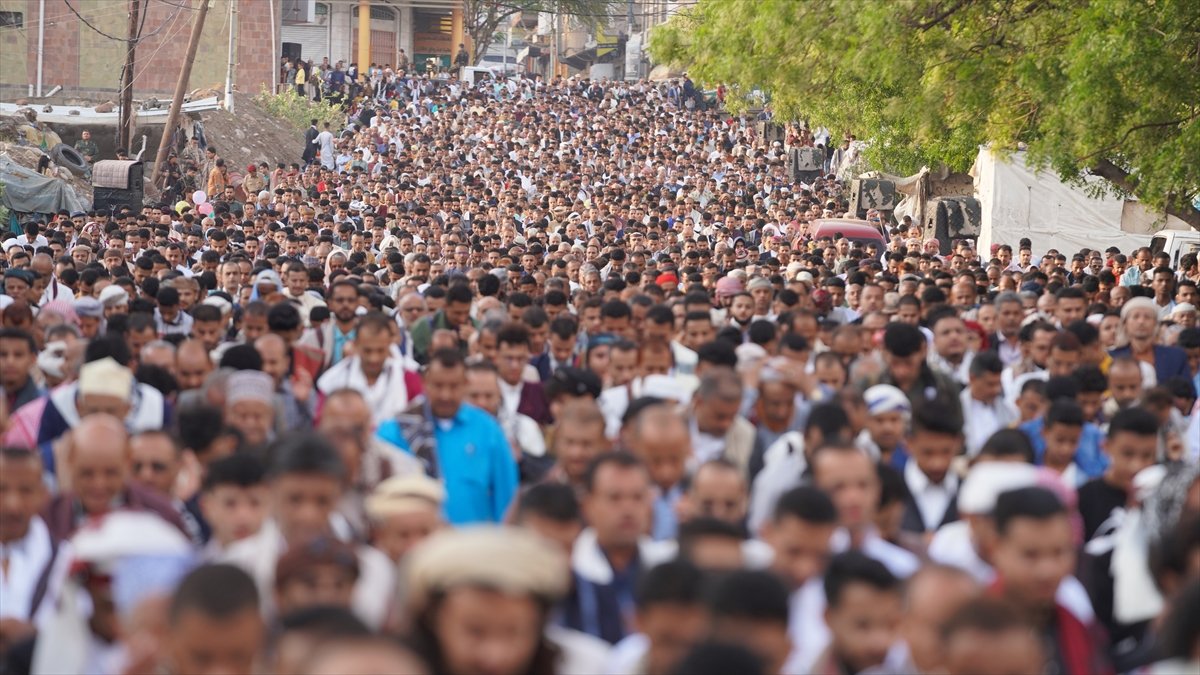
1176,243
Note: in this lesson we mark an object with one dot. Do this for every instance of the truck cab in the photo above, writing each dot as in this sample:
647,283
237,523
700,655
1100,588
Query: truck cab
1176,243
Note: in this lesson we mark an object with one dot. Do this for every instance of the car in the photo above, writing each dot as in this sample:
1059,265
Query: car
857,231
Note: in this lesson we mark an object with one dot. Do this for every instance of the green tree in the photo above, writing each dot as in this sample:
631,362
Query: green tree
483,18
1107,87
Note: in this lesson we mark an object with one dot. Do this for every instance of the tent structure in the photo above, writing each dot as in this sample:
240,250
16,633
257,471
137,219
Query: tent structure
1017,201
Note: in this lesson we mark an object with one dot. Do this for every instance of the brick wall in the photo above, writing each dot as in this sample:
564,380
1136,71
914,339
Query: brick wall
85,62
13,45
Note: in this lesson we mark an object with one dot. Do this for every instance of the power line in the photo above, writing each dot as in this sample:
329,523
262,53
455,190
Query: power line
179,25
137,38
89,24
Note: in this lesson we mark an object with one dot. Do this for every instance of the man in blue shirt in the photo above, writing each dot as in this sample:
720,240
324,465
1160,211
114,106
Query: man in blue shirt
459,444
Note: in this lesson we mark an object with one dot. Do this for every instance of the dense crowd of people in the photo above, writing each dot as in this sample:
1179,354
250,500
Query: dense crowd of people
546,377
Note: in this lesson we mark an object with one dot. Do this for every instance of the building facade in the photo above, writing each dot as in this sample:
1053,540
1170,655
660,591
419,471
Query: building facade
86,60
82,44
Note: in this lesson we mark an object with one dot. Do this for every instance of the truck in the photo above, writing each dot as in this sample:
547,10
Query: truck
1176,243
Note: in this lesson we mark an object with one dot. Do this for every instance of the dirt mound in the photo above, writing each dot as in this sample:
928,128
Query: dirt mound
251,135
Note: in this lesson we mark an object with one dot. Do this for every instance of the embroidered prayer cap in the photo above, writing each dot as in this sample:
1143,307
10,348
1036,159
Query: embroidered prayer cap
249,385
106,377
507,559
89,307
405,494
114,296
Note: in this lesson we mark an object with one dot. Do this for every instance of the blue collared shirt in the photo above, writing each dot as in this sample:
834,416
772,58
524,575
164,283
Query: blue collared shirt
1089,456
475,462
339,343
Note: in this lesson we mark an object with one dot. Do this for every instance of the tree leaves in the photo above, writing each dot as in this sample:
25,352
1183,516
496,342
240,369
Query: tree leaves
1105,85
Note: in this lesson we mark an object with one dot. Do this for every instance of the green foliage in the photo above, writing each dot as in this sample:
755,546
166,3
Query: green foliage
299,110
1110,87
484,18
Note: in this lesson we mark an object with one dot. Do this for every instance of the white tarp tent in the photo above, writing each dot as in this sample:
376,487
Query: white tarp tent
1017,202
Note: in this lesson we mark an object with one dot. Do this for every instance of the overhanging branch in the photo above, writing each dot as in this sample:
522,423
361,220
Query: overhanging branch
1121,178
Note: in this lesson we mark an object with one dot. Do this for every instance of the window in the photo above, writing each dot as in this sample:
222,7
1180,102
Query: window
322,9
12,20
378,13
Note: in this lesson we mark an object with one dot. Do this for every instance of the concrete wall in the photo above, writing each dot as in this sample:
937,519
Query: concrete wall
88,64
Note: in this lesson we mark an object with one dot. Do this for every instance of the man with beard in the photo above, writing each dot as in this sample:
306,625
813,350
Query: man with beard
333,337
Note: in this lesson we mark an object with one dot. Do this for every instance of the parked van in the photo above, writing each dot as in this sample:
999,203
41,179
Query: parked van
1177,243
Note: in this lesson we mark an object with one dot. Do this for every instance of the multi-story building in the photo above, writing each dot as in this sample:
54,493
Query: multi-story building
80,44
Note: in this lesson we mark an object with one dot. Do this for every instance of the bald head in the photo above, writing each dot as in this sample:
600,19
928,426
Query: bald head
344,407
97,459
412,301
660,437
192,364
273,350
42,264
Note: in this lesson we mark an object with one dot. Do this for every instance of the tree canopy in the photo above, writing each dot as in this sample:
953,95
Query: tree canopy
483,18
1110,87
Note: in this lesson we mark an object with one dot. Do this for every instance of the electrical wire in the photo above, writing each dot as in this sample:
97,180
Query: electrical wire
136,38
89,23
167,39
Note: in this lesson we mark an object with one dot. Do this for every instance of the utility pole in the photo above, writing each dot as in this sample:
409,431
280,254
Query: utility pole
557,49
125,133
185,74
230,73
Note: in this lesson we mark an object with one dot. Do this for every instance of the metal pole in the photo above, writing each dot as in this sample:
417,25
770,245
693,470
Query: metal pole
185,74
557,42
274,51
364,36
41,43
125,137
230,75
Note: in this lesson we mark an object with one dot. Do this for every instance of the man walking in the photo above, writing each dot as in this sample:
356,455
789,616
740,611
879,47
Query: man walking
310,143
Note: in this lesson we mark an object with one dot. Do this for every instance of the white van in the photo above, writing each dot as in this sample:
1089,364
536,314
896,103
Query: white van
1177,243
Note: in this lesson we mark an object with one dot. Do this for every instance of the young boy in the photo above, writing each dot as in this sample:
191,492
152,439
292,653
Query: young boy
888,413
935,440
1034,552
670,615
1132,446
233,499
750,608
863,613
214,624
1031,402
320,572
988,635
800,534
1058,441
403,512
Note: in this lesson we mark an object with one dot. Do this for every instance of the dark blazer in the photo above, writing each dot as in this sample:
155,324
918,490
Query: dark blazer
1168,361
60,513
541,363
912,520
